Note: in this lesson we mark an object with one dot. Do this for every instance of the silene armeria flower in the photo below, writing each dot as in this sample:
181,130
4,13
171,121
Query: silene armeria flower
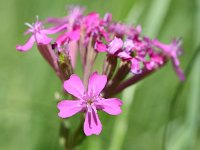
127,51
134,51
88,101
39,35
172,50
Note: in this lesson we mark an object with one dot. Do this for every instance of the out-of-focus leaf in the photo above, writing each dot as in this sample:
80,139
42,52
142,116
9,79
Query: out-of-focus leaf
156,15
184,134
121,123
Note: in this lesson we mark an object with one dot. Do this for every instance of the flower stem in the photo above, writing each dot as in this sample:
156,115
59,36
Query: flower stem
134,79
90,59
75,139
79,135
121,73
48,54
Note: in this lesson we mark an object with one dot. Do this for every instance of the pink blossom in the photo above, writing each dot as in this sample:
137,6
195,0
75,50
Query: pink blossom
100,46
95,26
136,51
128,45
115,45
112,48
75,15
85,33
155,61
88,101
107,18
39,35
123,50
57,21
135,66
122,30
172,50
128,49
73,35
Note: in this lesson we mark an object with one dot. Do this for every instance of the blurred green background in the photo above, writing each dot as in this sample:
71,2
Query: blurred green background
28,113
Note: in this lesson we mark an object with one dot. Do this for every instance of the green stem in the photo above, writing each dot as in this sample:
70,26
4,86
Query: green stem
78,135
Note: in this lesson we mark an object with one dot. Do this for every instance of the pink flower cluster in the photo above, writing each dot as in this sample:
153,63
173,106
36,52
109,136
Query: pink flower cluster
126,49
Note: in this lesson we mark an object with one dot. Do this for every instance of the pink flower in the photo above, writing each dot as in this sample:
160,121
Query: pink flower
95,27
172,50
122,30
100,47
88,101
136,66
115,45
155,61
112,48
73,19
39,35
123,50
107,18
73,35
92,20
75,14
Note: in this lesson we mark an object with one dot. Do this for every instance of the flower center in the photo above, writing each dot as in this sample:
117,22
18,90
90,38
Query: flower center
37,28
133,53
90,101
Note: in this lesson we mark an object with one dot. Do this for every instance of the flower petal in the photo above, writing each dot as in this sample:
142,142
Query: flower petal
115,45
74,35
107,17
96,84
74,86
92,19
92,124
128,45
178,71
61,39
150,65
112,106
54,29
56,21
166,48
135,66
27,46
42,38
124,55
69,107
175,59
100,47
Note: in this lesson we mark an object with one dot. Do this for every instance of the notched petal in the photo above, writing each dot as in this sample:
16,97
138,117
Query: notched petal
92,124
112,106
96,83
27,46
69,108
74,86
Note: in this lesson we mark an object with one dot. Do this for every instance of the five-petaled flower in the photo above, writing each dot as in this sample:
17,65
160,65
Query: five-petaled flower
172,50
89,101
39,35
